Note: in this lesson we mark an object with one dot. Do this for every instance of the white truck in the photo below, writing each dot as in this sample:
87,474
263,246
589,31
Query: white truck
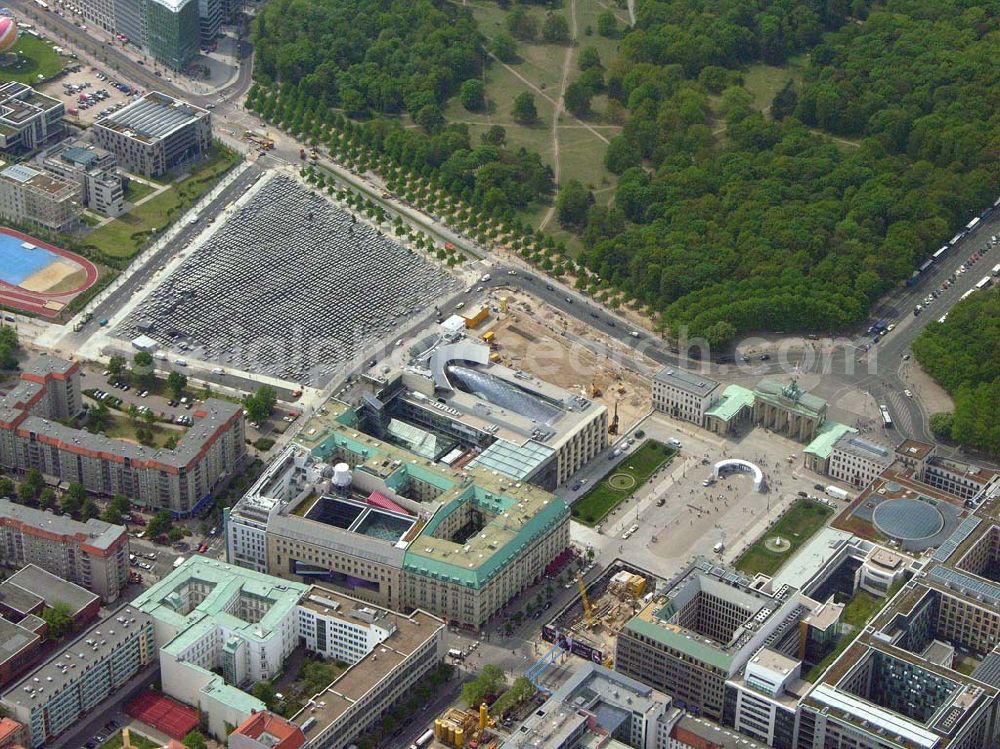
836,492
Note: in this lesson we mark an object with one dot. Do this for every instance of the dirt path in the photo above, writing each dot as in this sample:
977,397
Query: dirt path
559,108
580,123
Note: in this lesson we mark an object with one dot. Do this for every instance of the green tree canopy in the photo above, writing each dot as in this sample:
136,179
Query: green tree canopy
59,618
524,110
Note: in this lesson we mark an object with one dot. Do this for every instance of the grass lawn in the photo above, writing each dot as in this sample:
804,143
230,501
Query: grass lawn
860,609
593,506
797,525
540,64
121,428
36,58
124,236
135,739
136,191
765,81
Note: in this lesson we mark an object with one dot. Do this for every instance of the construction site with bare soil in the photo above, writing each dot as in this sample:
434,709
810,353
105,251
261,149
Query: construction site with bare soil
589,624
534,337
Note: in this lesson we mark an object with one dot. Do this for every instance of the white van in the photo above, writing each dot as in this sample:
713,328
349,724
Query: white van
718,547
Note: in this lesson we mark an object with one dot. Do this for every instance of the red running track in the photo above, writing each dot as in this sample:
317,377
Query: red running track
32,301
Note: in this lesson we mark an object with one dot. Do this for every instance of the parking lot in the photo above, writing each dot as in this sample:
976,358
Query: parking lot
89,94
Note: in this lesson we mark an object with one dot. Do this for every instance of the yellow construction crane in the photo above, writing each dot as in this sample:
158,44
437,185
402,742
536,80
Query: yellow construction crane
586,601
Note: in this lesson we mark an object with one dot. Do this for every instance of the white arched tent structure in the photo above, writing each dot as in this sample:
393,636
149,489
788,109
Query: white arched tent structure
743,466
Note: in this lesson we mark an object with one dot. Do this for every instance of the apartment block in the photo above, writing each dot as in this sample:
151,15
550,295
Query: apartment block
80,676
180,480
94,555
155,133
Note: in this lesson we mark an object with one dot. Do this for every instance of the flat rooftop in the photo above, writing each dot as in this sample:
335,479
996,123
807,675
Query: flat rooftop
703,577
79,657
210,417
859,447
14,639
914,449
518,512
689,382
411,633
50,588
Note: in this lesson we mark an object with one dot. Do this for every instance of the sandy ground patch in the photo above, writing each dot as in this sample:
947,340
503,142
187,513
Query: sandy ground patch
536,338
52,275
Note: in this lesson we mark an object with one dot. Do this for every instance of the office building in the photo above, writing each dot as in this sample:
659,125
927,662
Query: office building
94,555
212,617
857,461
684,395
339,632
31,196
180,480
80,676
165,30
210,17
387,526
28,119
155,133
596,702
95,170
223,628
452,406
358,699
763,702
703,630
925,671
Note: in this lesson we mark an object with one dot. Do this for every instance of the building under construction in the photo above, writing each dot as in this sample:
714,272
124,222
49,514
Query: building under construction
588,625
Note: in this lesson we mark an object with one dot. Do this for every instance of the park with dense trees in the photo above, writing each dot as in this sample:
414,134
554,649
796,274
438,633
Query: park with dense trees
963,355
725,218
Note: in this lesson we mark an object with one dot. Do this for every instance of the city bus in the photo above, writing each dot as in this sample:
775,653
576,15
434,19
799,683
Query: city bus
984,283
886,419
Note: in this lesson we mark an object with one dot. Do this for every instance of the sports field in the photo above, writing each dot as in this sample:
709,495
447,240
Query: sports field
38,278
625,478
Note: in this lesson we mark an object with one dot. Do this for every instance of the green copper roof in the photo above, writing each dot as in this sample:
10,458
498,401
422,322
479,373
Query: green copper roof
508,532
828,433
734,397
165,603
